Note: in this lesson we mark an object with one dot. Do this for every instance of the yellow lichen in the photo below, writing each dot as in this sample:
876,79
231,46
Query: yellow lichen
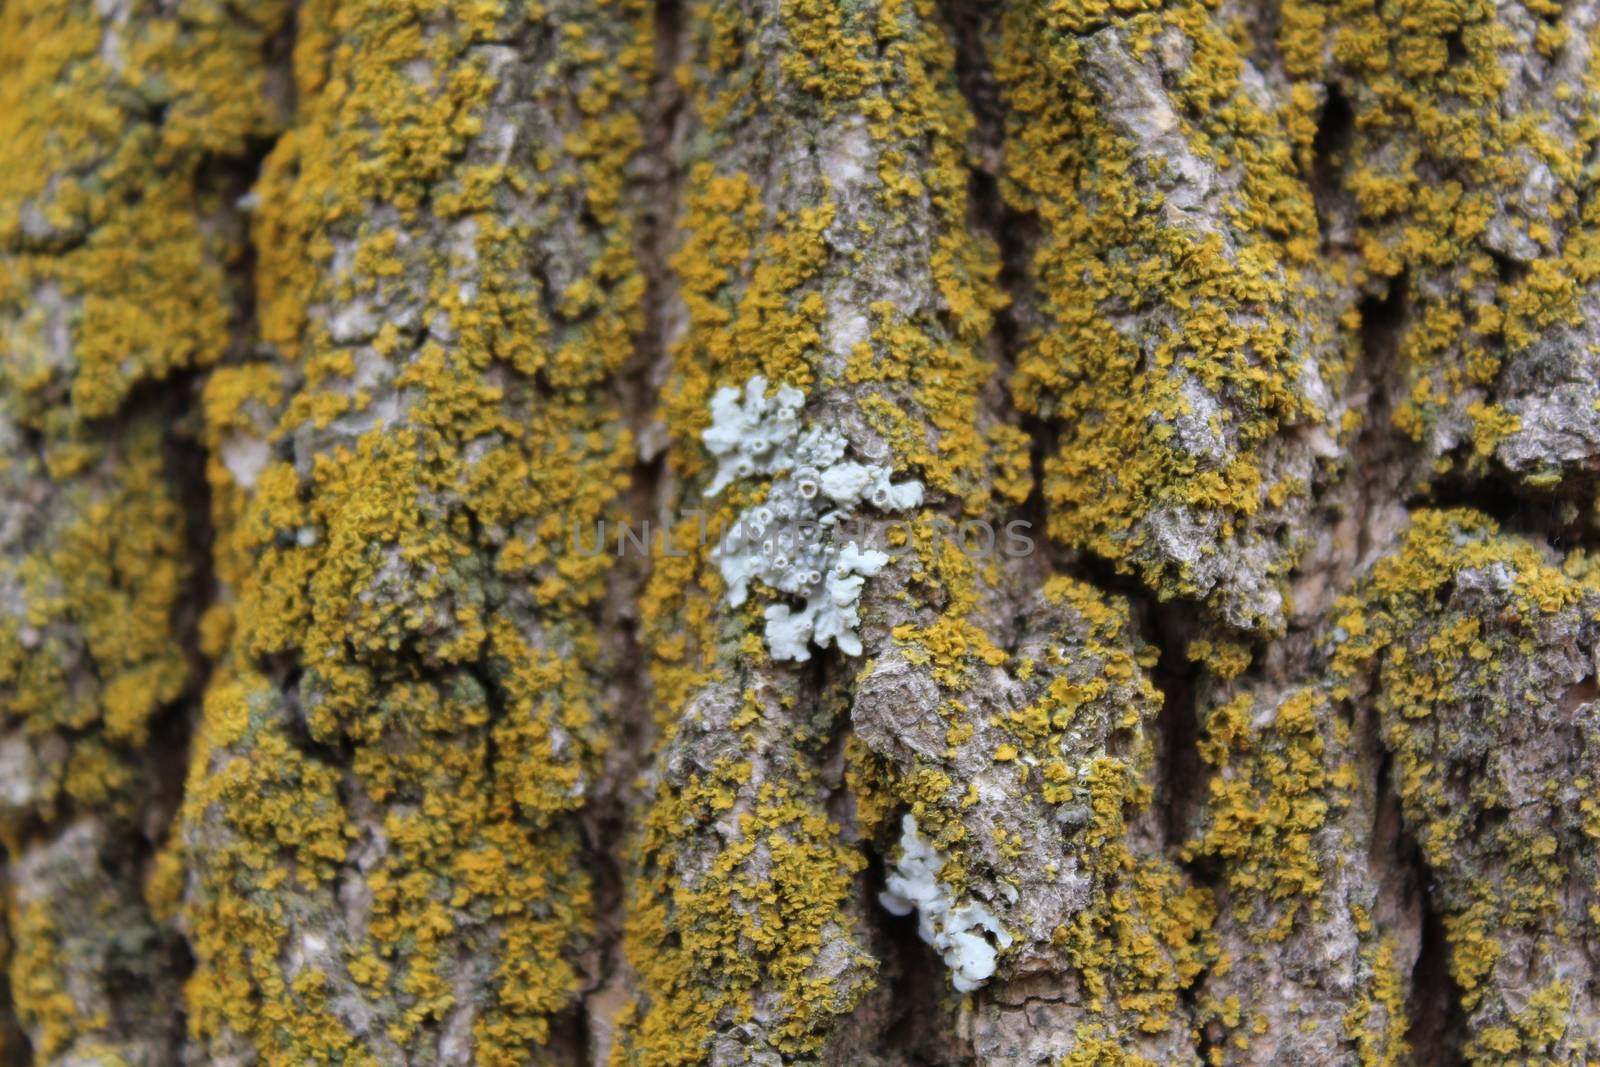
1174,354
1446,629
412,563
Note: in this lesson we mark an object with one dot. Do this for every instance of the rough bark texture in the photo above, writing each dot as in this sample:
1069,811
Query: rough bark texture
406,656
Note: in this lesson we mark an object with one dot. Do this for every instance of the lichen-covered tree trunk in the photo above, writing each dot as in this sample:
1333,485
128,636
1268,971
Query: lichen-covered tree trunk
649,533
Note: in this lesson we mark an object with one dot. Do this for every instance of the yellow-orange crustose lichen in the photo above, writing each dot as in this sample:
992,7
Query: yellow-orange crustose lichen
1467,160
1283,804
120,249
790,268
1477,647
118,253
379,825
1187,351
411,405
1270,801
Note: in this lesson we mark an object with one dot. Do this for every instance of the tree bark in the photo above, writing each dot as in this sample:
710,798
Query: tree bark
792,532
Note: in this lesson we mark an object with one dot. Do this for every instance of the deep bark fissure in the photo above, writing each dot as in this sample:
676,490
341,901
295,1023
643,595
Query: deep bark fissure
1180,775
1013,231
915,988
16,1048
609,820
1335,130
1434,1001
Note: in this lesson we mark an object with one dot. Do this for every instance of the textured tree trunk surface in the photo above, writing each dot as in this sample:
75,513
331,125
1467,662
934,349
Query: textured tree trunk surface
407,655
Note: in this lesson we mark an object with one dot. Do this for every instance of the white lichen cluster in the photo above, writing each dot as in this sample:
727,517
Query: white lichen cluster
967,936
795,541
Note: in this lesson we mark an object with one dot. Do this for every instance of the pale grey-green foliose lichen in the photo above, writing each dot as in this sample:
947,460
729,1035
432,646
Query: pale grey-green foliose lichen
800,539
